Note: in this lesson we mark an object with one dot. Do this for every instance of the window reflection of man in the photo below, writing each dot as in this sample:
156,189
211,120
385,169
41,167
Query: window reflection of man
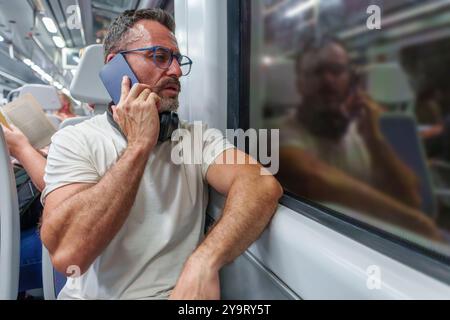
332,150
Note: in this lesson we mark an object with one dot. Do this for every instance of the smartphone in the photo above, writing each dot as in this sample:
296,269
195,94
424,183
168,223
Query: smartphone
112,74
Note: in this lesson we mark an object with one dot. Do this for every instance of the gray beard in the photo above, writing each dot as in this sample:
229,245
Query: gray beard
169,104
324,120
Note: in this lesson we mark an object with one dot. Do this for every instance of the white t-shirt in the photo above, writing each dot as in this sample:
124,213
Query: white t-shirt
165,224
350,154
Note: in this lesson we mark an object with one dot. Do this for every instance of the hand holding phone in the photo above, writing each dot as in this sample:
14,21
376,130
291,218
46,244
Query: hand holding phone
137,114
112,74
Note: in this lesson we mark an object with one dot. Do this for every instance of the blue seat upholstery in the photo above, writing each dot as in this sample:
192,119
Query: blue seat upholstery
59,281
30,274
400,130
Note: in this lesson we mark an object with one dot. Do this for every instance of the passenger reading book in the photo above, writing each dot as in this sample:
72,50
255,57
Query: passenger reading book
28,116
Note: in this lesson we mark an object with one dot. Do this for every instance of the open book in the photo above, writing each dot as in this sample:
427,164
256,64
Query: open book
27,114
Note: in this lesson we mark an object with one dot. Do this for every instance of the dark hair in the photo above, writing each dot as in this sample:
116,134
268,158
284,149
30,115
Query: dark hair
313,45
127,19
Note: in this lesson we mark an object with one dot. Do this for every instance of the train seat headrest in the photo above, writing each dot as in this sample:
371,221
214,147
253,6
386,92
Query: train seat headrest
46,95
86,85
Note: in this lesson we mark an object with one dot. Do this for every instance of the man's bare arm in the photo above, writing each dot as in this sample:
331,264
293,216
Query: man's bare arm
21,149
251,202
310,177
393,176
80,220
34,164
252,199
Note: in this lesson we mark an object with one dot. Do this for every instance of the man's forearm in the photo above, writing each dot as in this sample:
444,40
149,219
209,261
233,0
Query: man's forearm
34,164
82,226
250,204
340,188
321,182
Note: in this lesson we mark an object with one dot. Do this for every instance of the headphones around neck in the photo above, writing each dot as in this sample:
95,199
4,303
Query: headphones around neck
168,123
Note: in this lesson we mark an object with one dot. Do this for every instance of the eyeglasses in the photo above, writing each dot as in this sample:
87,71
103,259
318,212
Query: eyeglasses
163,58
334,68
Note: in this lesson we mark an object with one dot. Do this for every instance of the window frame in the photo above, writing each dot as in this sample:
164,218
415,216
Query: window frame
414,255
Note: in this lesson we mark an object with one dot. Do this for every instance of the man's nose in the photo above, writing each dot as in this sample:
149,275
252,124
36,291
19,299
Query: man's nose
329,79
174,69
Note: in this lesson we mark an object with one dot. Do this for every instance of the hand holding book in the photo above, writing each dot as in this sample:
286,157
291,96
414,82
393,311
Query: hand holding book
28,116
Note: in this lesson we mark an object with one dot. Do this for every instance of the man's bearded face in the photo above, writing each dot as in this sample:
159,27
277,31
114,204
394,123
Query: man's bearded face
325,86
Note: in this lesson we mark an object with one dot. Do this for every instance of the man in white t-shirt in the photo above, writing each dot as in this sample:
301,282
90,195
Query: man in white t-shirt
122,212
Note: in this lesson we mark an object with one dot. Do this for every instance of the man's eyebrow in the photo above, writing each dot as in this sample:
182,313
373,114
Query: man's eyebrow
175,50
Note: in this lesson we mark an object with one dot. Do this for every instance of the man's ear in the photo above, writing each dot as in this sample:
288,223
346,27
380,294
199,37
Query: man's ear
110,56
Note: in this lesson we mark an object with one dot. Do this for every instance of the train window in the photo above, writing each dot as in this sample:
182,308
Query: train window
360,94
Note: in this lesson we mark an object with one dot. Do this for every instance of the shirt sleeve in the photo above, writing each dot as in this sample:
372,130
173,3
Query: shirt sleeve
214,143
68,162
